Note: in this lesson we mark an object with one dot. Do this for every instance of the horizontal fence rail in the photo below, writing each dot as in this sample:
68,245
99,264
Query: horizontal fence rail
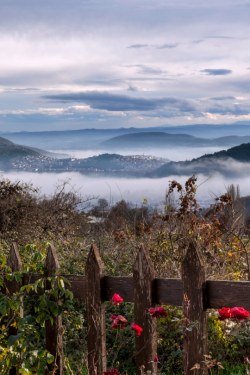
166,291
144,290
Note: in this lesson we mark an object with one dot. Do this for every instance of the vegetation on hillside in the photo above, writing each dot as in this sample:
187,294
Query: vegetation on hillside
9,150
239,153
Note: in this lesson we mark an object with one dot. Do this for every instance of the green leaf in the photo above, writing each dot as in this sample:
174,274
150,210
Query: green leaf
50,358
13,339
4,259
61,284
3,310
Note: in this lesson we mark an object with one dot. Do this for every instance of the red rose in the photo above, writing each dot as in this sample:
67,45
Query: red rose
225,313
239,313
111,372
156,359
158,311
116,299
136,328
118,322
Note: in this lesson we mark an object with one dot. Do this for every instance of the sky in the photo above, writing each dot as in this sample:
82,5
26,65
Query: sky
74,64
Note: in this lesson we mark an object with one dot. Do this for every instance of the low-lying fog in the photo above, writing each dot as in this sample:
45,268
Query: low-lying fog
132,190
174,154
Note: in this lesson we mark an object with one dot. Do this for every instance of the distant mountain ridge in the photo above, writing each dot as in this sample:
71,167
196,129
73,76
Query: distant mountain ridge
161,139
83,139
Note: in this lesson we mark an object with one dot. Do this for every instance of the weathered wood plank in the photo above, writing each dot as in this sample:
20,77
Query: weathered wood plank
194,307
168,292
144,290
54,342
228,294
124,286
15,263
96,337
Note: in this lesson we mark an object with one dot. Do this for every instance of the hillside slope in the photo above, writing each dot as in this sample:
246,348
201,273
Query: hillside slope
233,162
239,153
9,150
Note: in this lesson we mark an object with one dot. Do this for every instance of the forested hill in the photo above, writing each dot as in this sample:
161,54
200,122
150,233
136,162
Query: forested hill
220,162
239,153
9,150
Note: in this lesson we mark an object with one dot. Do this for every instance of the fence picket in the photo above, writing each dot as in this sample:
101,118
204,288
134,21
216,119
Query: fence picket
194,287
96,336
145,345
15,263
54,343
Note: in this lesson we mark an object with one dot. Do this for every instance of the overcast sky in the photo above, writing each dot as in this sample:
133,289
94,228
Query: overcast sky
74,64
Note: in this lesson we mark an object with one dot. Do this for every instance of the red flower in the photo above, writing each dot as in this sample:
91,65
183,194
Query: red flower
225,313
118,322
158,311
239,313
137,329
116,299
156,359
111,372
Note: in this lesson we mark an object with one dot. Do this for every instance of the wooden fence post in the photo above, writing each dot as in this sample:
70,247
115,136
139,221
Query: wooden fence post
96,336
194,287
145,344
15,263
54,342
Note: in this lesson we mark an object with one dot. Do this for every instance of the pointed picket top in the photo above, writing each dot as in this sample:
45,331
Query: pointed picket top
194,290
53,338
193,259
94,257
51,263
14,259
143,263
96,337
144,284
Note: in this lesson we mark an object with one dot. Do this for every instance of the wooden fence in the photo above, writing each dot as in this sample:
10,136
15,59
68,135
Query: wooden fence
144,290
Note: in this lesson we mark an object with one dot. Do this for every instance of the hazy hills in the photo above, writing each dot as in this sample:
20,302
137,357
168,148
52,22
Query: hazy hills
161,139
153,139
84,139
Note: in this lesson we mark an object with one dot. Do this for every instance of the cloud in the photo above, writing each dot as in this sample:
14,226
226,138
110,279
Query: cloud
163,46
234,109
198,41
132,88
115,102
216,72
146,69
223,98
221,37
21,90
138,46
156,46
